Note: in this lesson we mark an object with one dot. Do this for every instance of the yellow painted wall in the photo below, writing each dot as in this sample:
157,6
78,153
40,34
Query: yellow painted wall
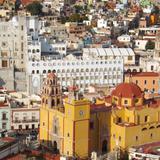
77,115
82,138
73,109
117,136
43,124
135,135
68,137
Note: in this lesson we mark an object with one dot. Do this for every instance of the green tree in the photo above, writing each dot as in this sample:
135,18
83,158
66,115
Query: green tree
150,45
34,8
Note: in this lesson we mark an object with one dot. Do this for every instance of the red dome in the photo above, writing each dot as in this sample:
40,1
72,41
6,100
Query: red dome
127,90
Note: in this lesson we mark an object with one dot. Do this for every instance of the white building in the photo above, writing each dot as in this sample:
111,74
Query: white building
25,118
124,38
13,42
102,23
150,65
157,47
84,70
149,32
17,36
24,111
127,54
51,46
140,44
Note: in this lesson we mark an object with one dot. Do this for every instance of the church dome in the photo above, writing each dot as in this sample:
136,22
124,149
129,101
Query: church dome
127,90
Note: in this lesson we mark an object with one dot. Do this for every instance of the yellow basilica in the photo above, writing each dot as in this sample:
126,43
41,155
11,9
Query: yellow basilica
74,126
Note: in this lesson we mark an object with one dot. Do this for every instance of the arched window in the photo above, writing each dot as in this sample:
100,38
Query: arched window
33,51
119,69
33,71
128,71
104,147
101,70
152,127
46,101
134,70
143,129
56,90
58,101
44,71
53,102
49,71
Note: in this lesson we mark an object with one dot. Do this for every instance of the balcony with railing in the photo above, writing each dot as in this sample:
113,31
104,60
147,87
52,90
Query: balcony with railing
26,121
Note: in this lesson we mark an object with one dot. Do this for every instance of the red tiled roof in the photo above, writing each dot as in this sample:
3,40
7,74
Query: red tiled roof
99,107
145,74
2,104
127,90
150,148
26,2
1,2
8,139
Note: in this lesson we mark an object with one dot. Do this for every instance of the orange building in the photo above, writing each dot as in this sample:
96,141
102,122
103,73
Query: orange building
147,81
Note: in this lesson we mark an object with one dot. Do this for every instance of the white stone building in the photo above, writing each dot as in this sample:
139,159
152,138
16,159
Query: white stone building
50,46
13,40
140,44
84,70
102,23
17,36
24,111
127,54
124,38
24,118
149,32
157,47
